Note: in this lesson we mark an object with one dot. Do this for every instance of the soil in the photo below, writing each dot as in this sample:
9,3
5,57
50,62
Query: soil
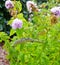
3,53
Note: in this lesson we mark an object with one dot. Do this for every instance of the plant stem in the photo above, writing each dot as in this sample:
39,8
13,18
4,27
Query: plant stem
23,40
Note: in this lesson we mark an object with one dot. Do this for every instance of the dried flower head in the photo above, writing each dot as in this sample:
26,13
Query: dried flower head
53,19
17,23
31,6
13,13
9,4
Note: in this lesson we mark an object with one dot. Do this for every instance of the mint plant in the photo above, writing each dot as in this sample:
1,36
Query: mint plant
37,42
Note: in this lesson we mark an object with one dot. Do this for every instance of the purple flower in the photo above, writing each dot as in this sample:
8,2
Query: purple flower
17,23
9,4
56,11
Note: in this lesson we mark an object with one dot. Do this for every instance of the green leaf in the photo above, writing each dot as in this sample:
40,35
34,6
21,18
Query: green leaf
12,31
20,16
18,6
19,32
10,21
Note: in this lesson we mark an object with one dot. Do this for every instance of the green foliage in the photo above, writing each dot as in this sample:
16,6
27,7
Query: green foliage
3,37
46,52
18,6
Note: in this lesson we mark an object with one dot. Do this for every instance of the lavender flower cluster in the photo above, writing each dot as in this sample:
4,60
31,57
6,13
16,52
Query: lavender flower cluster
9,4
17,23
56,11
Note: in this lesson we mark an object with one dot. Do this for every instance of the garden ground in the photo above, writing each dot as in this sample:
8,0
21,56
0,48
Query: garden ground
3,60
